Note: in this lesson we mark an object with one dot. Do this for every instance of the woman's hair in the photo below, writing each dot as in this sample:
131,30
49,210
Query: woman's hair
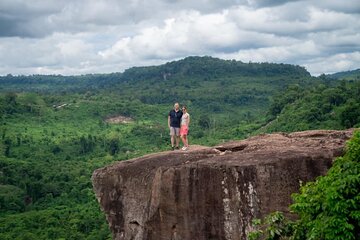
184,107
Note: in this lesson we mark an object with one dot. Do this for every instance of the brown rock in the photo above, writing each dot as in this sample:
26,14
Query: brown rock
212,193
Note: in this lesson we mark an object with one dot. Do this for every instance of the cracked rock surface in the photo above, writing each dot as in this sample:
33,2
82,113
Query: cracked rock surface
212,192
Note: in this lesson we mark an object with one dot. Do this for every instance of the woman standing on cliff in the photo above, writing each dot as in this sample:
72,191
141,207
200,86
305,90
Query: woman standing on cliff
184,128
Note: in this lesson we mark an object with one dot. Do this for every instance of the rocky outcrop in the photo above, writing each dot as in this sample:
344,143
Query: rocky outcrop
212,193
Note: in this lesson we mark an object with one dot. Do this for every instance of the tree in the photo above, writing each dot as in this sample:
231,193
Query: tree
204,122
11,198
350,114
86,144
10,103
32,101
114,146
8,145
10,98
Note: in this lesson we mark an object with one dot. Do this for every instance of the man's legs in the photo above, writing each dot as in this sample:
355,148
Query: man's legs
177,133
175,137
177,141
172,139
172,136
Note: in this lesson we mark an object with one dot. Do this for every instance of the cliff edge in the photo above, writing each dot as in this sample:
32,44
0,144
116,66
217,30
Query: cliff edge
212,192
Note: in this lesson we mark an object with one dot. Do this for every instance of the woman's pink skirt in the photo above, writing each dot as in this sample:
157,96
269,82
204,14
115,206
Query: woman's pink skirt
184,130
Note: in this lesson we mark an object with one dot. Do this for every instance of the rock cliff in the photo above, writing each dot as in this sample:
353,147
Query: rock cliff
212,193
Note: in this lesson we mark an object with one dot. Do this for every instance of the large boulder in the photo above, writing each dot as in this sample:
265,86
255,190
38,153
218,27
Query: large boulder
212,192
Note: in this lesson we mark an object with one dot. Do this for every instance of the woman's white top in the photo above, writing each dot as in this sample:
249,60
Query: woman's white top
185,119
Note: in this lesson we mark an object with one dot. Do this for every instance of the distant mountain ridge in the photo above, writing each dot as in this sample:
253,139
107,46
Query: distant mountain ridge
206,68
346,74
212,82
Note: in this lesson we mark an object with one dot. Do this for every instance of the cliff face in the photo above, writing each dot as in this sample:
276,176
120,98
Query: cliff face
212,193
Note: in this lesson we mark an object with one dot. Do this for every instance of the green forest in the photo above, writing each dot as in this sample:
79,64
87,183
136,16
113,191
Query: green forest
55,130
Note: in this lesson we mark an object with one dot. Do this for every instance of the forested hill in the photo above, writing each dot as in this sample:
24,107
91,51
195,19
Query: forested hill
197,80
208,68
55,130
194,81
201,68
353,74
321,107
57,83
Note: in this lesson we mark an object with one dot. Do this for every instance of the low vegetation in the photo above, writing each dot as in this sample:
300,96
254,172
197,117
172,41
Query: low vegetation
54,131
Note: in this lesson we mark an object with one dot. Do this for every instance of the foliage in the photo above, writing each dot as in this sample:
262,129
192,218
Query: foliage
274,227
47,156
11,198
54,133
328,208
319,107
350,115
58,83
60,222
353,74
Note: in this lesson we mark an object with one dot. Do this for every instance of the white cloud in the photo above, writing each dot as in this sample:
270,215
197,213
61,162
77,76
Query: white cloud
190,33
86,36
280,54
335,63
55,53
350,6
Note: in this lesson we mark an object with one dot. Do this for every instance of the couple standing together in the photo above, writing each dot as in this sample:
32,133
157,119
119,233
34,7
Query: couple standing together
178,122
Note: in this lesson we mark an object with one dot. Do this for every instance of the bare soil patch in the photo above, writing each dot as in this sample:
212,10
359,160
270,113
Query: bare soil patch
119,119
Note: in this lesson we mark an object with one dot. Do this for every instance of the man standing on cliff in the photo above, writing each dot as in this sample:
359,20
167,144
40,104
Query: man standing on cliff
174,120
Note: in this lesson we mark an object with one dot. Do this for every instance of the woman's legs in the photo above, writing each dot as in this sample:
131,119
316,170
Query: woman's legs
184,140
183,133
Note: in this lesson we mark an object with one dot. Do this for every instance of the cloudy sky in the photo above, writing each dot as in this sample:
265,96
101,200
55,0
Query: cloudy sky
101,36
